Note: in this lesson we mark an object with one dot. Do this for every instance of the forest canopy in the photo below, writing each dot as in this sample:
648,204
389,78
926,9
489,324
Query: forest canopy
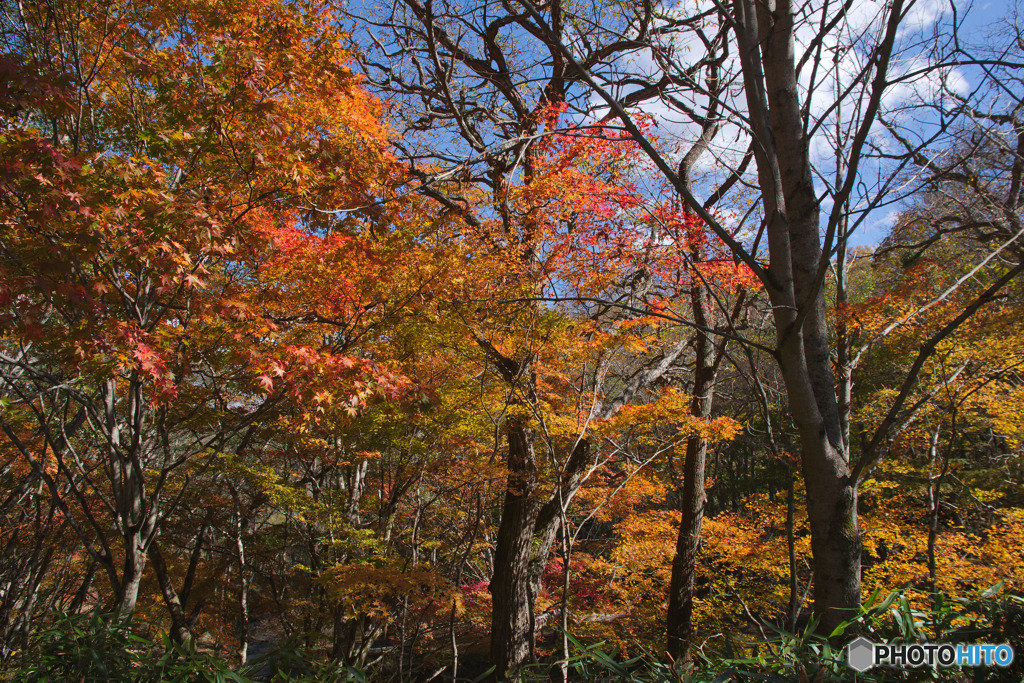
441,340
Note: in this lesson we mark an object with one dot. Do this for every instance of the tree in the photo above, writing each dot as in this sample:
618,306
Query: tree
952,432
153,155
578,238
549,212
495,111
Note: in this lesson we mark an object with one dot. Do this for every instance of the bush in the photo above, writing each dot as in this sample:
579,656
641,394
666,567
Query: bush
87,648
100,648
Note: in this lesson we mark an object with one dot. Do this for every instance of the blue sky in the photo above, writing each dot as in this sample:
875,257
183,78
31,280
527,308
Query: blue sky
850,45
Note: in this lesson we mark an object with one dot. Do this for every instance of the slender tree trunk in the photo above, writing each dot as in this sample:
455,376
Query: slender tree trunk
511,616
180,631
793,609
453,640
680,629
935,488
243,579
934,500
83,589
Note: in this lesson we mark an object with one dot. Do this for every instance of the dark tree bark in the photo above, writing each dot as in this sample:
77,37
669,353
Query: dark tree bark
684,564
512,613
180,631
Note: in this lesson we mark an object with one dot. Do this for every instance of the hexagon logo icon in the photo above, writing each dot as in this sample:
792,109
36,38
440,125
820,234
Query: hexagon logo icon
860,654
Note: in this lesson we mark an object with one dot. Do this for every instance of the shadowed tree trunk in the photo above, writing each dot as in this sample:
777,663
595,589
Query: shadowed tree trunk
512,611
684,564
180,631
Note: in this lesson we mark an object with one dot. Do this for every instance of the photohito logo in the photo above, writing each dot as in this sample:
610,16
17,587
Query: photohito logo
862,654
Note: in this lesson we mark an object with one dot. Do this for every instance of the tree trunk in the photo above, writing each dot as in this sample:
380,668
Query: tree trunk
127,589
511,615
180,632
243,591
680,631
934,500
792,215
83,589
243,573
793,608
836,547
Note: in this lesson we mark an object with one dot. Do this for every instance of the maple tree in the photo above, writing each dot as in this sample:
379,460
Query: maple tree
614,265
156,193
569,209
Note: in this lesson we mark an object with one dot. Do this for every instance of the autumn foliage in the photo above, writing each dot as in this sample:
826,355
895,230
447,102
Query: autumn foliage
256,385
